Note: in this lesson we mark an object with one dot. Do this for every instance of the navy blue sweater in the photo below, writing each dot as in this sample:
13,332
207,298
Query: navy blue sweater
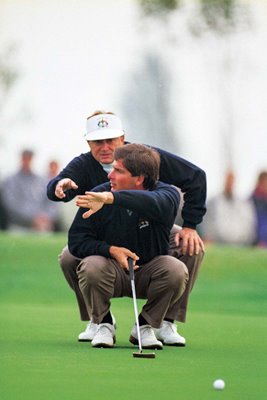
87,173
139,220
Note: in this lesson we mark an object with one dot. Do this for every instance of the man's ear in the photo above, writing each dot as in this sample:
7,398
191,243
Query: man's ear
140,180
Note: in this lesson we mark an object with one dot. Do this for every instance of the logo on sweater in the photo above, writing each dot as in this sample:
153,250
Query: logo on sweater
102,123
143,223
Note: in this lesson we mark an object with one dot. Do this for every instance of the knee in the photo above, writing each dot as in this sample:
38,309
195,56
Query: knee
91,271
192,262
177,273
199,256
67,261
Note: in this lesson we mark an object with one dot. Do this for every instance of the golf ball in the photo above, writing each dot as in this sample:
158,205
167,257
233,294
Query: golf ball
219,384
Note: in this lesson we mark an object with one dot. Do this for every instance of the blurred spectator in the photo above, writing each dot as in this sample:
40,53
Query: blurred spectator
229,220
259,198
53,169
24,197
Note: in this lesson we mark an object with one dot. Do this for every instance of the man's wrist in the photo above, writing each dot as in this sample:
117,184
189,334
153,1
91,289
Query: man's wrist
109,198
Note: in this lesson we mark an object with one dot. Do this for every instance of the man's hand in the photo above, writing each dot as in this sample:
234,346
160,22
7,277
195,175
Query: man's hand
94,201
63,185
191,241
121,255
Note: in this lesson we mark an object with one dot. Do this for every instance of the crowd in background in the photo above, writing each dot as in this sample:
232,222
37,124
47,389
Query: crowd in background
237,221
24,206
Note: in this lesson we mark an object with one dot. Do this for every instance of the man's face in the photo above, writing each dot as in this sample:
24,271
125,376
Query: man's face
263,186
103,150
121,179
26,162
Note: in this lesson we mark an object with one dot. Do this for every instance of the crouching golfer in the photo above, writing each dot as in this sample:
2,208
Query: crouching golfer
131,216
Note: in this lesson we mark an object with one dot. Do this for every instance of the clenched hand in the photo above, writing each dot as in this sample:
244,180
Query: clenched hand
121,255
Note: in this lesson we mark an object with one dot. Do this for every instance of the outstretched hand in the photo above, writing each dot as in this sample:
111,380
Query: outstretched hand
94,201
191,241
63,185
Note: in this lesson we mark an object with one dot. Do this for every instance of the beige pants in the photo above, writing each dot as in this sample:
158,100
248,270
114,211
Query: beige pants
161,281
69,265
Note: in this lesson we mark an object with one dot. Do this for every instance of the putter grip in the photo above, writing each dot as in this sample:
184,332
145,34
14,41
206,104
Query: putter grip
131,270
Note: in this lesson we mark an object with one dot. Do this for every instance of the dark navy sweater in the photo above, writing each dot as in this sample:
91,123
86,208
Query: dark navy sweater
139,220
88,173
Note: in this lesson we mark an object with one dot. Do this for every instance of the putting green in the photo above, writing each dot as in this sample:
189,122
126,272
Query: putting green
41,358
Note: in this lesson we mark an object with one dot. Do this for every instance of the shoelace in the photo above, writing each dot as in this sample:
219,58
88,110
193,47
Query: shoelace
147,330
103,330
171,327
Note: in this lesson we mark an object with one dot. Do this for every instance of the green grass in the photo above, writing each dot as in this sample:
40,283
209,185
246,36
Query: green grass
226,333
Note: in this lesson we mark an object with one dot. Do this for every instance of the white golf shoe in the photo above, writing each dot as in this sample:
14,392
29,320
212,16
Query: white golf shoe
169,336
90,331
148,338
105,336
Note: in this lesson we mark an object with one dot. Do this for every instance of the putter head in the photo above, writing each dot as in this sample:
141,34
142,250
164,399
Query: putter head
139,354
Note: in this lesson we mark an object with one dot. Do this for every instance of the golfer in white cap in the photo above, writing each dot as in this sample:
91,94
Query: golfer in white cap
104,133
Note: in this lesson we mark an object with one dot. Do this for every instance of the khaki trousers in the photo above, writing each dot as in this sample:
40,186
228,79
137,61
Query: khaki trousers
161,281
69,265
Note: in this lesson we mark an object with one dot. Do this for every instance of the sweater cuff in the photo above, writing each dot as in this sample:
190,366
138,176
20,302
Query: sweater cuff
104,250
187,224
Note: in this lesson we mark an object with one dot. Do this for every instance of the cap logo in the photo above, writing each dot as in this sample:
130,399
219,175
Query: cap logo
103,123
103,126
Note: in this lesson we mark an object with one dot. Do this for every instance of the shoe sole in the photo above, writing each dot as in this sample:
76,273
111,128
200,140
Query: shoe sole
105,345
174,344
134,341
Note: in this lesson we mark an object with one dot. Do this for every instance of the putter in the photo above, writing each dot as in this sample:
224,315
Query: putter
137,354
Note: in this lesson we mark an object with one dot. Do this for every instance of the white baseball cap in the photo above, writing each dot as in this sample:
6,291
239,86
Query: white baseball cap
103,126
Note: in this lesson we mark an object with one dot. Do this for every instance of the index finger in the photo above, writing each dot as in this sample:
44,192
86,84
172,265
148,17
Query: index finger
177,239
82,202
59,192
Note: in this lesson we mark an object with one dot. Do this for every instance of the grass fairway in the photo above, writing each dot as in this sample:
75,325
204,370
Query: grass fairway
41,359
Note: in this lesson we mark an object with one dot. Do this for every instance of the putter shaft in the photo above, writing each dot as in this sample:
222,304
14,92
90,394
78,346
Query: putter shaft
138,354
131,271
